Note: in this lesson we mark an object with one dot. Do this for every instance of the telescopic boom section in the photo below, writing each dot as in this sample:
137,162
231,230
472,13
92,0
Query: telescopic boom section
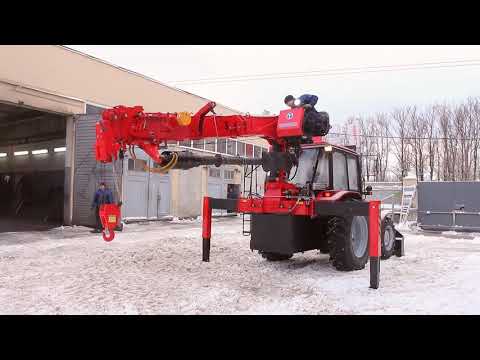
123,126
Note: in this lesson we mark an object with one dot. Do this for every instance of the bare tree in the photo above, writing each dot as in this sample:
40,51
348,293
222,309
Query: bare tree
472,114
402,153
418,138
446,131
441,142
382,144
431,124
367,146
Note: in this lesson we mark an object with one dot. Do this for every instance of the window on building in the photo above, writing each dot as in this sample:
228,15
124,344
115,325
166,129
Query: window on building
222,146
199,144
249,150
231,147
137,165
186,143
257,152
214,172
172,142
229,174
240,148
210,144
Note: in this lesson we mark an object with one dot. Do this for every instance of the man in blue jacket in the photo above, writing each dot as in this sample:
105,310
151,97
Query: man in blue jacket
102,196
315,123
306,101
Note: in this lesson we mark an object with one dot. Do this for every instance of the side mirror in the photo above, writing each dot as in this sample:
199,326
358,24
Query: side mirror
368,190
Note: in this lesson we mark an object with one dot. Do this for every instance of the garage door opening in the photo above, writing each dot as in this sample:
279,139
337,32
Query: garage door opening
32,168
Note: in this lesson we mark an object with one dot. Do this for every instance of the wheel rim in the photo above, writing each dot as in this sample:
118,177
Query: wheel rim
359,236
388,239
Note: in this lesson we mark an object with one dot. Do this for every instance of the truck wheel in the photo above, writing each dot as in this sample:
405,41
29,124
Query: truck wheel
348,242
388,238
322,231
275,257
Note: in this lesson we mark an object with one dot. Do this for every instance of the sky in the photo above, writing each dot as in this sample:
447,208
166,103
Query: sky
341,95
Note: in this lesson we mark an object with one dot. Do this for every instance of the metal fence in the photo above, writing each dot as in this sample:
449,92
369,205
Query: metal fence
449,205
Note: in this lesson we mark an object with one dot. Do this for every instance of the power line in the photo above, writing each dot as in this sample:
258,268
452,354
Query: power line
326,70
331,72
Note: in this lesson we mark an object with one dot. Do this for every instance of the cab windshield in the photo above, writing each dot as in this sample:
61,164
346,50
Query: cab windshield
311,172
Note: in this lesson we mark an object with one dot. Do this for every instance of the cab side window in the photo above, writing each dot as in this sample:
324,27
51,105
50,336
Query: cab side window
322,176
340,179
352,173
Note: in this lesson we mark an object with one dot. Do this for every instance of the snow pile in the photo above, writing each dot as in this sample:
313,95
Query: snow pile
192,220
407,226
157,269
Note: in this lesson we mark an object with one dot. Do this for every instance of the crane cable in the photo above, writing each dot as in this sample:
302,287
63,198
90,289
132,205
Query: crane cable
115,177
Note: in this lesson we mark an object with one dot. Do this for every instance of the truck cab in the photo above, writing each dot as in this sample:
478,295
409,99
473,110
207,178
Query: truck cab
329,167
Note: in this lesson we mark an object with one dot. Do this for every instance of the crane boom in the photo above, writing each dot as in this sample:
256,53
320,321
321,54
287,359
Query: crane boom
123,127
130,126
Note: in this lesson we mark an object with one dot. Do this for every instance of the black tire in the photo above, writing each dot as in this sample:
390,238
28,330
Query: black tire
388,238
322,229
344,253
275,257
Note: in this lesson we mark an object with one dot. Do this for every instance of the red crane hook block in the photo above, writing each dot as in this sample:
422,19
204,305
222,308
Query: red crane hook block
109,237
109,215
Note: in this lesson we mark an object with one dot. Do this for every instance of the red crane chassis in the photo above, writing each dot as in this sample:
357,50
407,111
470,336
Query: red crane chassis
307,215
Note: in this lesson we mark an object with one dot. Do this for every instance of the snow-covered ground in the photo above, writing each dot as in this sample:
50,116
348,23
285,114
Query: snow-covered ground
157,269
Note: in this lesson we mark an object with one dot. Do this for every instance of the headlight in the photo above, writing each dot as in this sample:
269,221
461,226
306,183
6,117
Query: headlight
297,102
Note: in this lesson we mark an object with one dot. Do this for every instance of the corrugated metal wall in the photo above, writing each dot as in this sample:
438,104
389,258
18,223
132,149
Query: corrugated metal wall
87,172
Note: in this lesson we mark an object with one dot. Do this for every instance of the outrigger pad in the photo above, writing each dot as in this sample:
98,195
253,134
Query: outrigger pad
399,244
374,272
